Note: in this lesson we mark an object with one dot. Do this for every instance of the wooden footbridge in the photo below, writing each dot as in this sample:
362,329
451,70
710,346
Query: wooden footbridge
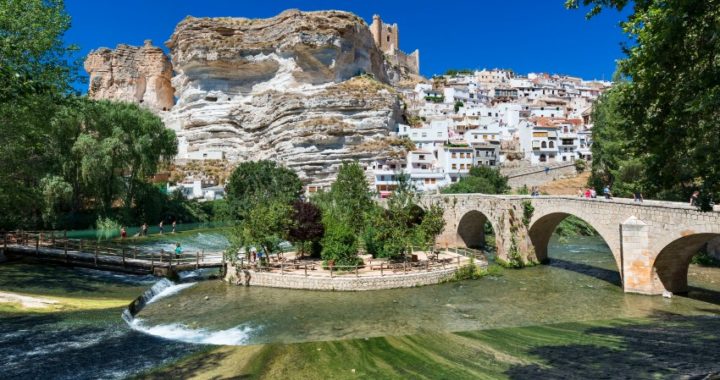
56,247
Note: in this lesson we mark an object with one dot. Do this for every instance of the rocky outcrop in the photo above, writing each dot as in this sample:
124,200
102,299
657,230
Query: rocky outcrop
307,89
132,74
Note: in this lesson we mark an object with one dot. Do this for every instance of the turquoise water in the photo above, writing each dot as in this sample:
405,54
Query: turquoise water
581,283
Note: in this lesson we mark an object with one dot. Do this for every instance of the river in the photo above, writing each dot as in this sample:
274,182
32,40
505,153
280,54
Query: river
578,287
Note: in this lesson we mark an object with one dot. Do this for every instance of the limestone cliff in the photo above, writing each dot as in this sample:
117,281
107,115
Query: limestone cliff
288,88
131,74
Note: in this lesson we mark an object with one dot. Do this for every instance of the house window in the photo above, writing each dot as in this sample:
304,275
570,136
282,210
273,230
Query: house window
454,166
424,134
552,144
422,157
462,155
382,177
454,155
543,158
424,167
543,144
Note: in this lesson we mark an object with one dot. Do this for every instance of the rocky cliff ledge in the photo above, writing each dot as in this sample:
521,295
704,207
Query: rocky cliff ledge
290,88
131,74
307,89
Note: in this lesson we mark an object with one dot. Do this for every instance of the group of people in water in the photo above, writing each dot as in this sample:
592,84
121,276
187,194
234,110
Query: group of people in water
144,229
144,232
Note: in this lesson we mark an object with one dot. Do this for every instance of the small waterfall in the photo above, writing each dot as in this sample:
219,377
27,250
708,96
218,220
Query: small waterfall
139,303
238,335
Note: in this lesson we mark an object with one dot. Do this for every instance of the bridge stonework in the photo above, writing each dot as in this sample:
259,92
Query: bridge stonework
652,242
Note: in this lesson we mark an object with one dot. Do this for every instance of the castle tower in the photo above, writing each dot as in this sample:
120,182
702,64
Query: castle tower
376,29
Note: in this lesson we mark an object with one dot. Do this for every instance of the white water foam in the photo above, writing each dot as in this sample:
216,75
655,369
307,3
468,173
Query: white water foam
236,336
169,291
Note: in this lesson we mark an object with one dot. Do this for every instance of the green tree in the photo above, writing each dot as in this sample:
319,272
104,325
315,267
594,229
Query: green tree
432,225
107,150
34,78
350,196
339,243
266,226
481,179
671,98
259,182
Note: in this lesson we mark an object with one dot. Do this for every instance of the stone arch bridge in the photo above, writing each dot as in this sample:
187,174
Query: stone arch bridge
652,242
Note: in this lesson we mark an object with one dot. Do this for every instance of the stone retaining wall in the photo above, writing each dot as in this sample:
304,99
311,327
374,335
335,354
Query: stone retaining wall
341,283
538,177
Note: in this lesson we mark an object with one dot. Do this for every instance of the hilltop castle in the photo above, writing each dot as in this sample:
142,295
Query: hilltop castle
387,40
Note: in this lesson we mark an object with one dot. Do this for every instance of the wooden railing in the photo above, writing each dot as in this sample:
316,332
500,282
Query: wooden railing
377,267
39,242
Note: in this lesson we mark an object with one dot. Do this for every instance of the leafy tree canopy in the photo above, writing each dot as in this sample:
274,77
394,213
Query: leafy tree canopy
481,179
671,97
260,182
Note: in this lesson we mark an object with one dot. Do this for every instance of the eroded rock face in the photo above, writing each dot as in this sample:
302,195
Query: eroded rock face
285,88
132,74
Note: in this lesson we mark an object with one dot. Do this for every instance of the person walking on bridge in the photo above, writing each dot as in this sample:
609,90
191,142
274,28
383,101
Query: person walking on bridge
144,229
178,249
606,191
162,229
694,198
638,196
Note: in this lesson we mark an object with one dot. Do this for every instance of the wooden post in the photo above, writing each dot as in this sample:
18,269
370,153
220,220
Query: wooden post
202,255
356,271
134,251
381,269
123,255
331,271
37,244
427,265
405,266
305,270
96,252
197,260
282,268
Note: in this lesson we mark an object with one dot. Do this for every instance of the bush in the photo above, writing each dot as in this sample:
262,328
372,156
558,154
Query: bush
469,271
339,243
580,165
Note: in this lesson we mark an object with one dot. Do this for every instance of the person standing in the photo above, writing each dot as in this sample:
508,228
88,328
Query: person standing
162,229
144,229
694,198
178,250
174,224
607,193
638,196
123,233
587,193
580,193
593,193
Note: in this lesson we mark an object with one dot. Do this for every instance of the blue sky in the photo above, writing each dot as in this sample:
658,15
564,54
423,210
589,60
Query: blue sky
523,35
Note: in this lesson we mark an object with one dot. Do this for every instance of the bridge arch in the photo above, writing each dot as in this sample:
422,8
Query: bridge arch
471,229
673,261
542,229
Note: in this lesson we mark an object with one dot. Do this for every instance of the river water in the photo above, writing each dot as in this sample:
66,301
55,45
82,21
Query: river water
580,284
